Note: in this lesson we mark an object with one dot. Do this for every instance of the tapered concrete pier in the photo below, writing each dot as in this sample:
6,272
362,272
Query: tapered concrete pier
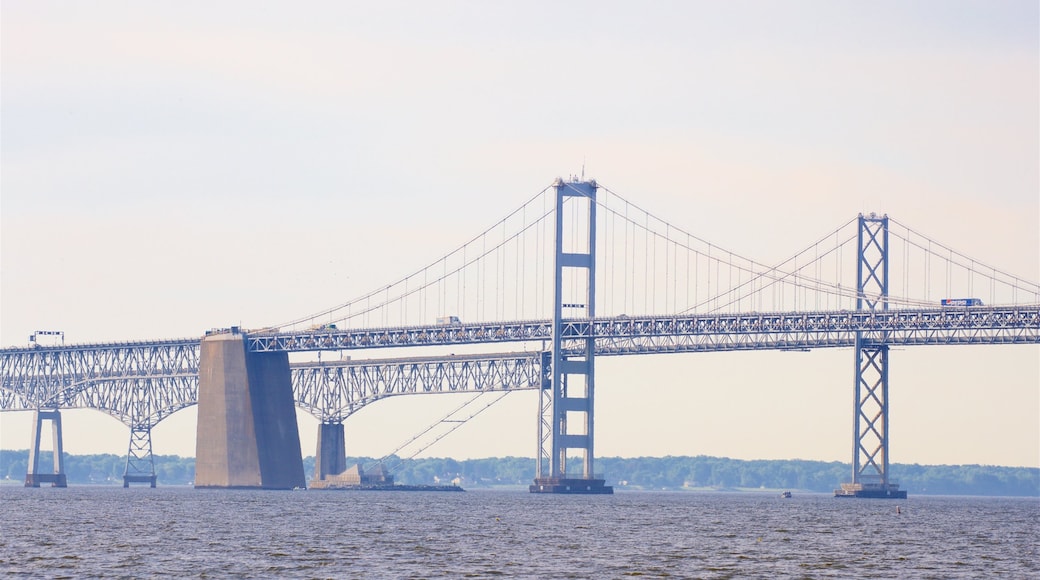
247,435
33,478
331,455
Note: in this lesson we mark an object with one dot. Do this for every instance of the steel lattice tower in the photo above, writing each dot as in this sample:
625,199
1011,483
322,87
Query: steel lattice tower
870,405
566,401
140,464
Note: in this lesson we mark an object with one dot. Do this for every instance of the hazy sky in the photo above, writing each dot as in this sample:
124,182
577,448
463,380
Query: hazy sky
168,167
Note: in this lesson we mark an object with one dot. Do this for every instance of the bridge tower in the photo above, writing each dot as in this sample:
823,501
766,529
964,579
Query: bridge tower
56,478
870,476
566,399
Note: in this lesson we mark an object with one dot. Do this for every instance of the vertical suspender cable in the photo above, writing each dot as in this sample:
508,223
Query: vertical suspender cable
928,272
518,297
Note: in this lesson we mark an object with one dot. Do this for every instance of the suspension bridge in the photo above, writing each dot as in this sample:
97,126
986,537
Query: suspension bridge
576,272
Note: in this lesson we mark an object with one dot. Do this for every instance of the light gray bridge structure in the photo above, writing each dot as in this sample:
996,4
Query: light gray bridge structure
246,387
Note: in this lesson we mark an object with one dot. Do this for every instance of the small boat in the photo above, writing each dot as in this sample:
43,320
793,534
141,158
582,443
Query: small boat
785,495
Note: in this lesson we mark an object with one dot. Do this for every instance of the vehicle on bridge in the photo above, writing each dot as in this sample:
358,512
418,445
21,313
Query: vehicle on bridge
323,327
961,302
448,321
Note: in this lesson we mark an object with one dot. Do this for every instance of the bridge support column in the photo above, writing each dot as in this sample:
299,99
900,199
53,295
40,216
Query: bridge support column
140,464
247,434
566,402
33,477
870,427
331,455
870,407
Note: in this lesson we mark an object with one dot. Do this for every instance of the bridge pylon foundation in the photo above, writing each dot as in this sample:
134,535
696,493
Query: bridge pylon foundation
33,477
331,455
570,485
247,434
149,479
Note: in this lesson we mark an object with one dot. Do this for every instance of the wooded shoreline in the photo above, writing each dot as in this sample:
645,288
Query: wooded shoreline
636,473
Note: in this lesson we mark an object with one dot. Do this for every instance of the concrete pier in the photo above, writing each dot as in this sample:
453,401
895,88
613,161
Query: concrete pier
331,455
57,477
247,435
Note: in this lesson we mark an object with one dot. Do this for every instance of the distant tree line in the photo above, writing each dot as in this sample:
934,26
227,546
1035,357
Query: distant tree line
638,473
96,469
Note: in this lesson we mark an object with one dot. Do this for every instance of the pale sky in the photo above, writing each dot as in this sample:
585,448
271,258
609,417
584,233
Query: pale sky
168,167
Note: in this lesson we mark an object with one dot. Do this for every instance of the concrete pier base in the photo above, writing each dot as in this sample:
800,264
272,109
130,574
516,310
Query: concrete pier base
871,491
331,455
33,477
247,435
571,486
149,479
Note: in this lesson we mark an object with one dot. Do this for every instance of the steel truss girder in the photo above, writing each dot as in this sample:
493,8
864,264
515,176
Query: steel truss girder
521,331
333,391
807,327
939,321
330,391
137,402
104,376
649,344
138,383
57,376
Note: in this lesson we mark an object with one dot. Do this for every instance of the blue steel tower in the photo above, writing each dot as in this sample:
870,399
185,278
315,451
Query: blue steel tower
870,407
566,399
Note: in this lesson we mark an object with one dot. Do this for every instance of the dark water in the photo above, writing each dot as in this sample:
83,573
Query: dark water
112,532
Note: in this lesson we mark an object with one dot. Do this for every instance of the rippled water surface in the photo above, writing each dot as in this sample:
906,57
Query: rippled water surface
140,532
